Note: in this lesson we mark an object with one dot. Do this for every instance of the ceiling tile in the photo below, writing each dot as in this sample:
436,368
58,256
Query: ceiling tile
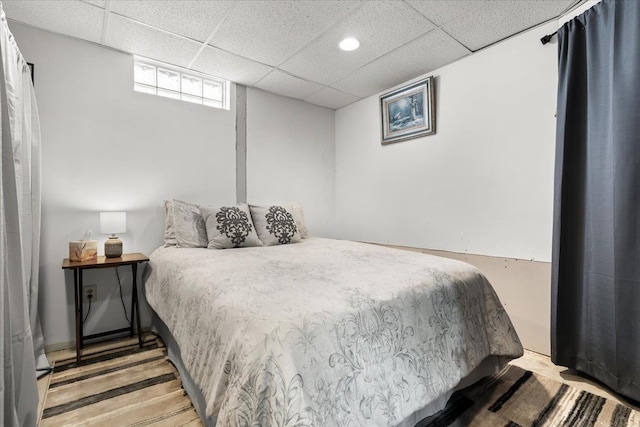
381,26
298,37
431,51
73,18
139,39
331,98
440,12
229,66
287,85
192,19
271,31
499,20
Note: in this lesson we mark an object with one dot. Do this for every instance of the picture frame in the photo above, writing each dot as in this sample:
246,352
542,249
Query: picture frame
408,112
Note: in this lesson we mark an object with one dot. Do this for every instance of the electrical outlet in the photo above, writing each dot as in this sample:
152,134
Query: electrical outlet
89,292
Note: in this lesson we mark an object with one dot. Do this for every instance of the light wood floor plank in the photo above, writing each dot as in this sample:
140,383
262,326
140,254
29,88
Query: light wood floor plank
105,354
80,415
81,371
186,417
95,385
150,412
194,423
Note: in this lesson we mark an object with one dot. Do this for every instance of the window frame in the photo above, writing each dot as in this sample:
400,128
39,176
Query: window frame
187,96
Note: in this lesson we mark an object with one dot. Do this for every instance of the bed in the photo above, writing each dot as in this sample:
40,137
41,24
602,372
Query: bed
325,332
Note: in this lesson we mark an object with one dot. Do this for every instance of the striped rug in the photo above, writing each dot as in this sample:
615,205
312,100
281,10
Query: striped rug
123,385
519,398
120,385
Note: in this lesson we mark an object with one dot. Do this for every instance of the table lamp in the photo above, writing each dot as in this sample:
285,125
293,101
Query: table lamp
112,223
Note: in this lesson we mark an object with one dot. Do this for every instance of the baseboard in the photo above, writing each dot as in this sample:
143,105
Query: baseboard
71,345
49,348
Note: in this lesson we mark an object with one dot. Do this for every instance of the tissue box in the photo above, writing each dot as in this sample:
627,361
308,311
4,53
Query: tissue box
83,250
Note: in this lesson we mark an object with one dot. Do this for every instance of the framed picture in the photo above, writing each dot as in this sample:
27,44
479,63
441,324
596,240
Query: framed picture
408,112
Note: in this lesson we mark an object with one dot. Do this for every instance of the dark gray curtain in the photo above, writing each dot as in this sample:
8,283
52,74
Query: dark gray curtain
596,244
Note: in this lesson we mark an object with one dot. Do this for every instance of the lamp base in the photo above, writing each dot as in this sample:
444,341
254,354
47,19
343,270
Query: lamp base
113,247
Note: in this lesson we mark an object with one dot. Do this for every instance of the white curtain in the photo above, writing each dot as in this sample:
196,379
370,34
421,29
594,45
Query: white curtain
20,333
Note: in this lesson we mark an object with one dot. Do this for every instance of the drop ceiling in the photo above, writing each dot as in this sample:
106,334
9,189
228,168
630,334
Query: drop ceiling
291,47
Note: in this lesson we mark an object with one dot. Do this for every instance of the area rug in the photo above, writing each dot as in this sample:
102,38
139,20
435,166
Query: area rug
519,398
123,385
129,386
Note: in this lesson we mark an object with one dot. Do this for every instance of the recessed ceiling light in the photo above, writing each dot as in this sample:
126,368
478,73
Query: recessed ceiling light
349,44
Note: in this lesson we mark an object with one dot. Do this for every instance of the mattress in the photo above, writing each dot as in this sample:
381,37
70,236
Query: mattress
326,332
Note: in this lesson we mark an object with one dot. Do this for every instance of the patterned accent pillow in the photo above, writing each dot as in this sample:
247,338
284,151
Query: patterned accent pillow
275,225
229,227
169,228
188,225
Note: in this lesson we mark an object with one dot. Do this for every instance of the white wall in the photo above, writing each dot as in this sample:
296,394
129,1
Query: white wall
483,184
290,156
106,147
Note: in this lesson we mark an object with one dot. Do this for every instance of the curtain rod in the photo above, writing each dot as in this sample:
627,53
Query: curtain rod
546,39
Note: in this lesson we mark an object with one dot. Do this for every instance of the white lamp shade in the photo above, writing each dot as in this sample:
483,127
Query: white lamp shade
113,222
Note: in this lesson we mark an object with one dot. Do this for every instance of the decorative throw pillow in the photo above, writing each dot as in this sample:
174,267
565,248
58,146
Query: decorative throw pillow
169,229
229,227
188,225
298,217
275,225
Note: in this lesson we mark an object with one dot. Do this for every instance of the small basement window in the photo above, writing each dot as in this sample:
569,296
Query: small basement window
173,82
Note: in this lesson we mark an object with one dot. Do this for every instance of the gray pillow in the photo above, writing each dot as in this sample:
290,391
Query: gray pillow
229,227
275,225
169,229
188,225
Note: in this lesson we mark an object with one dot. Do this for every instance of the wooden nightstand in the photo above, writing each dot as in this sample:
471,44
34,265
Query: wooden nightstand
78,268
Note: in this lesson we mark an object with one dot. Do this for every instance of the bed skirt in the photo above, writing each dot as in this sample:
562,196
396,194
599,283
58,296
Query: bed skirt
189,386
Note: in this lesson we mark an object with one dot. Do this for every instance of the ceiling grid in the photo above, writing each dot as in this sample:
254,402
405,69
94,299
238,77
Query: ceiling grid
290,47
207,40
105,22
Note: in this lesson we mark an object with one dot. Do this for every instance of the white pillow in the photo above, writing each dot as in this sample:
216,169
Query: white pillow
298,215
188,225
275,225
229,227
169,228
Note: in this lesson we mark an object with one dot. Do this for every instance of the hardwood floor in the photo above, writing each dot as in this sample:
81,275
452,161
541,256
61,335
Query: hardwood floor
145,408
117,383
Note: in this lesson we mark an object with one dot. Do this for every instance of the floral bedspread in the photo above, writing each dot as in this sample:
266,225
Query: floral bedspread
325,332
